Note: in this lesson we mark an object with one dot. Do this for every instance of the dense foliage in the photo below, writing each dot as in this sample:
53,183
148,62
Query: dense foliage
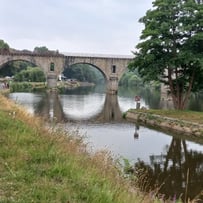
30,74
130,79
13,67
84,73
44,50
171,50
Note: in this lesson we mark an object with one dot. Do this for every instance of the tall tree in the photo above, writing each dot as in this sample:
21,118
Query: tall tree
171,50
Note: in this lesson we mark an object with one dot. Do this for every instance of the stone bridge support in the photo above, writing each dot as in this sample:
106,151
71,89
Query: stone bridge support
112,85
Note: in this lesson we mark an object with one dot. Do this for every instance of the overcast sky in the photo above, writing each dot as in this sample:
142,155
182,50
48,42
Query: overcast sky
83,26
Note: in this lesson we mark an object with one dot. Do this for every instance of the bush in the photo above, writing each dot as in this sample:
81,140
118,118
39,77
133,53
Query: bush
21,87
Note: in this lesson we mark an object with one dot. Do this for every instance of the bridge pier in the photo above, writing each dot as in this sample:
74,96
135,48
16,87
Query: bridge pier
112,85
52,80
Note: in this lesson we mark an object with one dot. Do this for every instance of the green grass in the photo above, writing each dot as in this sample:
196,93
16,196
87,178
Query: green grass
39,165
191,116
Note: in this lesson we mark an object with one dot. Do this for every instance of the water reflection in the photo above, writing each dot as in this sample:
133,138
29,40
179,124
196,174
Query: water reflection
136,133
177,173
150,98
50,107
82,108
111,110
102,108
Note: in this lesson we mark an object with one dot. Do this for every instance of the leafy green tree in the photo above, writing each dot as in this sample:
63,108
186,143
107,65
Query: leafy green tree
41,50
130,79
3,46
13,67
134,81
171,50
84,72
124,79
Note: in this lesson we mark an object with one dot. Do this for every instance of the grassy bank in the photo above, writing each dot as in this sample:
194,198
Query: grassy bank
190,116
41,165
27,86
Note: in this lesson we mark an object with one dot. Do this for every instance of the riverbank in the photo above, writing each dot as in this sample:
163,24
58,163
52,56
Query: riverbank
42,86
188,123
73,84
39,164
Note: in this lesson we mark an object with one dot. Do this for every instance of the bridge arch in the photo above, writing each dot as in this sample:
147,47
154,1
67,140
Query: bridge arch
27,61
88,67
92,65
51,65
46,63
6,61
112,67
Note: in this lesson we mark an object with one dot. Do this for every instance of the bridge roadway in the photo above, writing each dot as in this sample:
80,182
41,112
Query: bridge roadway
111,66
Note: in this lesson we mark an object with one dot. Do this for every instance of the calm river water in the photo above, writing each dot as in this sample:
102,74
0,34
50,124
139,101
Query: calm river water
174,162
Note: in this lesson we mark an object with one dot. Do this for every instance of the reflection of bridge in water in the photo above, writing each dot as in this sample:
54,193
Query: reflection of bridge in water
51,109
110,112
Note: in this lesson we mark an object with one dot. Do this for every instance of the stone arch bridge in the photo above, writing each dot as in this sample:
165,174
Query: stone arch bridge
111,66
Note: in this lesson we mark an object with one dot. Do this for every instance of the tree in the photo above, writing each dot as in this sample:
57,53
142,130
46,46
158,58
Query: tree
171,50
41,50
44,50
84,73
130,78
13,67
4,47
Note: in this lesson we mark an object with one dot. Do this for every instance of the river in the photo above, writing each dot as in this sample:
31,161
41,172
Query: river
170,160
